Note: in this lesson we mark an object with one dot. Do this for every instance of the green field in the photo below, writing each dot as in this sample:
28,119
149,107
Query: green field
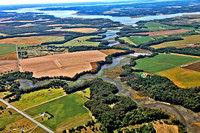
140,39
7,48
157,27
187,40
80,41
33,98
126,39
163,62
68,112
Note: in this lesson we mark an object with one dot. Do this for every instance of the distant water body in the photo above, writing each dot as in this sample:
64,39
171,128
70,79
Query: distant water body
123,20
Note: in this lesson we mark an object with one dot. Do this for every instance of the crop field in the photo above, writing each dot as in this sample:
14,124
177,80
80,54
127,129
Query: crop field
7,48
37,97
9,56
127,40
24,123
10,119
7,65
187,40
81,30
166,32
184,78
80,41
110,51
140,39
68,112
33,40
193,66
157,27
163,62
68,64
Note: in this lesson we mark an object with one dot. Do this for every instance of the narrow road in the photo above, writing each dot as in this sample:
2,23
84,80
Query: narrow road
25,115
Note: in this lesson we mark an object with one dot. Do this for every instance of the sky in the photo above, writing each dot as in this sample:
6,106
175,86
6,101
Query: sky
8,2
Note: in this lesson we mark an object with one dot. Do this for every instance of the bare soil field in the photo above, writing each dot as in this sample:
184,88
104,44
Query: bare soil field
33,40
82,30
161,127
68,64
7,65
166,32
9,56
110,51
94,65
193,66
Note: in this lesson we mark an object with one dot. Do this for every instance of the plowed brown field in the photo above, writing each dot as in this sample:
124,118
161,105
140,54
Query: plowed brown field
9,56
7,65
166,32
193,66
68,64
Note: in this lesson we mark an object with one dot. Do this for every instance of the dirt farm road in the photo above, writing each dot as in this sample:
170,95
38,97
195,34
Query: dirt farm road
28,117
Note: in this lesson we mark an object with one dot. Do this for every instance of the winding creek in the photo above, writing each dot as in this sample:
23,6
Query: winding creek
187,117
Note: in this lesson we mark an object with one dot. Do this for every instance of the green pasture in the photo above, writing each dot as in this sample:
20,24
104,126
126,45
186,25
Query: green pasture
68,111
140,39
163,62
7,48
158,27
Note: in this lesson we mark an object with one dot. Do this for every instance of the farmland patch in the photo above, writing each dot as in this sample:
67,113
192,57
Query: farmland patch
68,64
187,41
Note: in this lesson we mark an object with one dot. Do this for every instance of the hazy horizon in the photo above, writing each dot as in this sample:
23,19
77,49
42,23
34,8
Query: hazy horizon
17,2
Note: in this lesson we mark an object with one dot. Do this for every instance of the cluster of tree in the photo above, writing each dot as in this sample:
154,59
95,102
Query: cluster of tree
162,89
7,80
96,39
187,50
124,112
145,128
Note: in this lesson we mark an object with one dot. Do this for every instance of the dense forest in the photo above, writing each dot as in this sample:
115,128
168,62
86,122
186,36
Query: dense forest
124,112
162,89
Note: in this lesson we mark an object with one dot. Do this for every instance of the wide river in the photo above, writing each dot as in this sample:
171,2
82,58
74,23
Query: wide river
123,20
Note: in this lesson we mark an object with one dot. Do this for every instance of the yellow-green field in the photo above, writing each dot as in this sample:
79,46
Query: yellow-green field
184,78
127,40
10,119
187,40
80,41
33,98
